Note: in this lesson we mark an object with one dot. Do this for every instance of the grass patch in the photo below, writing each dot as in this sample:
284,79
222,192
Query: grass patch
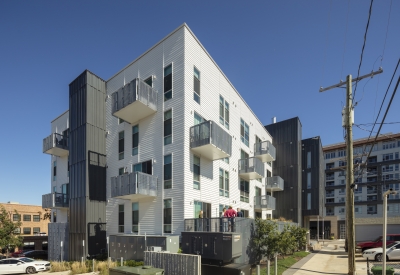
283,263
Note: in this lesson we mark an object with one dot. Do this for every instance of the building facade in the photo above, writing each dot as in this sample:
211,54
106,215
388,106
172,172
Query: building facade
373,176
166,137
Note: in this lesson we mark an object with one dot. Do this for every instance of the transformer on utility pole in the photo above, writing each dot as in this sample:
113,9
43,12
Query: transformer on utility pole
348,121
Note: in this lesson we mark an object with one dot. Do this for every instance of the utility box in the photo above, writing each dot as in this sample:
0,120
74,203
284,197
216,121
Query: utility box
140,270
214,247
132,247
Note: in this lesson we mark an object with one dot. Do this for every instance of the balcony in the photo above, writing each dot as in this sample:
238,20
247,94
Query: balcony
135,101
372,198
251,168
264,202
134,186
56,144
330,213
330,194
55,200
264,151
275,183
209,140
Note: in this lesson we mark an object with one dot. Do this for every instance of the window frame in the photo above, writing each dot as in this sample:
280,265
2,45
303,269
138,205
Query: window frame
167,123
196,95
223,183
121,145
243,126
27,218
121,218
164,172
135,226
224,113
243,192
196,183
25,230
165,214
168,92
135,150
36,218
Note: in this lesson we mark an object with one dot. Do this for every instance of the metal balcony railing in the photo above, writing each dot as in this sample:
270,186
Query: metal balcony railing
210,140
275,183
265,151
56,144
264,202
251,168
55,200
134,186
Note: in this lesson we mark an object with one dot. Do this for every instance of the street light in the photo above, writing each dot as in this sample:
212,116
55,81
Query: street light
385,196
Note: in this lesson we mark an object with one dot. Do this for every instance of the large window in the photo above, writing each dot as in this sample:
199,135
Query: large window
244,191
121,144
168,82
223,112
196,172
167,216
308,159
36,230
167,127
36,218
121,217
54,170
26,230
135,140
309,180
135,217
244,132
223,183
27,218
168,171
196,85
308,201
16,217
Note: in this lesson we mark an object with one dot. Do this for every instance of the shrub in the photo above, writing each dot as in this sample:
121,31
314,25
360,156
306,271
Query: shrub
59,266
79,268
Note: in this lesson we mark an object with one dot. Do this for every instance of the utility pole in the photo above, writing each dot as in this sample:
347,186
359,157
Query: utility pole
348,121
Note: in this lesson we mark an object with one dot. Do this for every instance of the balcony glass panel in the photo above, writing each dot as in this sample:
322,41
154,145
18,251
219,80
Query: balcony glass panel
56,144
251,168
265,151
55,200
264,202
134,186
275,183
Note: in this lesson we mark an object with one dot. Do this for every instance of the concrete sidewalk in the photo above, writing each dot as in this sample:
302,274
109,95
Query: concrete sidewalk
331,259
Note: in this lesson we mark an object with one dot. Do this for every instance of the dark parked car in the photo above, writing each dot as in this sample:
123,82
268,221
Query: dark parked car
35,254
2,257
16,254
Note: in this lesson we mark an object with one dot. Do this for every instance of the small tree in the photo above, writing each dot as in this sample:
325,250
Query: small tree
8,237
265,239
286,241
300,235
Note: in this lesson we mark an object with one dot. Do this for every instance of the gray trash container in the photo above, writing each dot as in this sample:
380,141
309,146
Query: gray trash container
127,270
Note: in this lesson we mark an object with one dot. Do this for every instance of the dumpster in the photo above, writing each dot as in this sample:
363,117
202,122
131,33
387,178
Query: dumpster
139,270
377,270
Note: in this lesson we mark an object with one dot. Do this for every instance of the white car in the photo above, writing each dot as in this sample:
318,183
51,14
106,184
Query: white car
22,265
375,254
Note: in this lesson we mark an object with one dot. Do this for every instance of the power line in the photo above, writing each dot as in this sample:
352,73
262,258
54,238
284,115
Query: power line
363,47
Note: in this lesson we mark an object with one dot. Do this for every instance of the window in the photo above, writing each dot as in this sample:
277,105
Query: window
135,217
54,170
198,119
149,81
371,209
36,230
393,208
27,231
244,132
224,112
168,82
341,210
342,153
167,216
68,169
36,218
309,180
257,191
121,171
144,167
168,172
17,230
357,151
54,189
330,155
54,216
389,145
120,121
308,159
121,145
196,172
27,218
16,217
223,183
243,154
244,191
357,198
226,160
342,163
121,218
167,127
308,201
358,190
221,208
135,140
196,85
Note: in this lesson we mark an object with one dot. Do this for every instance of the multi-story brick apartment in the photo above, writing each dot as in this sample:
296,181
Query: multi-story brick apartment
161,140
33,223
380,173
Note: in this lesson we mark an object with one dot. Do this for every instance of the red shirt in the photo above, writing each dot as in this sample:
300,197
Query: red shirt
230,213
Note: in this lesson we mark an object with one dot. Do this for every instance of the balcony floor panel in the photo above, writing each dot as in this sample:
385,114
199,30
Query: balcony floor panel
210,151
55,151
265,157
250,176
273,189
134,112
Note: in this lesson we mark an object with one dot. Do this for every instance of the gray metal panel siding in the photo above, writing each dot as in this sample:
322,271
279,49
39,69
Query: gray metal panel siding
177,264
287,141
87,132
58,232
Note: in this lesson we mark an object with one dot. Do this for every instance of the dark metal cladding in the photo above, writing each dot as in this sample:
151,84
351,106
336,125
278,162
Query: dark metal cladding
87,94
286,137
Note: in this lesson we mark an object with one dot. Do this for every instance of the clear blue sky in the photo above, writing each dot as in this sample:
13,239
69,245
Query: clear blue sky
276,53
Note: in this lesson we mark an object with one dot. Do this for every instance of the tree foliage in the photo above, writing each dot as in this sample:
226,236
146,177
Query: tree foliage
8,237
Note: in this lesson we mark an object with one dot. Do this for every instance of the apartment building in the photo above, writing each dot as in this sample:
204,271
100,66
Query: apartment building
166,137
373,176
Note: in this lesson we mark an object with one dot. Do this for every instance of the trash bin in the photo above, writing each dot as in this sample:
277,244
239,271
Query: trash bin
377,270
139,270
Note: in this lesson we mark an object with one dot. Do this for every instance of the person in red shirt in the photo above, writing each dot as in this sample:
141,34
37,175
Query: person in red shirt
231,214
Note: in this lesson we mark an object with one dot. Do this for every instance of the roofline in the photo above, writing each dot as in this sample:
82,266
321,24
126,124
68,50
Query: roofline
6,203
59,116
361,141
184,25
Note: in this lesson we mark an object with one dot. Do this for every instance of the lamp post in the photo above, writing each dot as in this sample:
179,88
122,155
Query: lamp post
385,196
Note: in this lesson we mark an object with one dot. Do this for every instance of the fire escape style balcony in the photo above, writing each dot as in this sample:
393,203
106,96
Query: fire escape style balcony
274,183
264,202
265,151
134,186
56,144
209,140
251,168
55,200
135,101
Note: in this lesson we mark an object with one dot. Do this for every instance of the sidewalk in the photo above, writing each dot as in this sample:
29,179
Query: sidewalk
331,259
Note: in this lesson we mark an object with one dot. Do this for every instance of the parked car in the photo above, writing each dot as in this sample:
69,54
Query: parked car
2,257
390,238
35,254
17,253
375,254
100,256
22,265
